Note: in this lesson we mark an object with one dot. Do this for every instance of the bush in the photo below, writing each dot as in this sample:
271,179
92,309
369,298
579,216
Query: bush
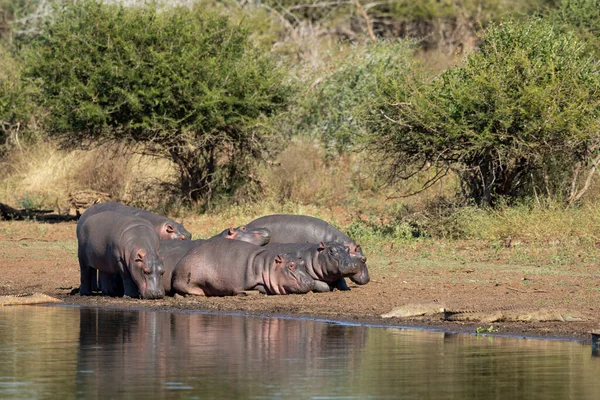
336,108
186,83
584,17
519,118
15,106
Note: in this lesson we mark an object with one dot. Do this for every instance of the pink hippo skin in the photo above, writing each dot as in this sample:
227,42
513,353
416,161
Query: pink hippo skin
289,228
222,267
165,227
120,245
172,251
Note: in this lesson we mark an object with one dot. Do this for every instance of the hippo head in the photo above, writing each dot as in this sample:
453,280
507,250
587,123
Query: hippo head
335,259
257,236
171,230
146,269
362,276
288,275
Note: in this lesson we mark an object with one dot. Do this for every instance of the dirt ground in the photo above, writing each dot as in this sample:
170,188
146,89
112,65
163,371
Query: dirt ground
41,257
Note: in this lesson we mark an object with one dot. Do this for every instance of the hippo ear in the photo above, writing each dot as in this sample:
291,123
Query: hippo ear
279,260
139,256
321,246
170,228
230,231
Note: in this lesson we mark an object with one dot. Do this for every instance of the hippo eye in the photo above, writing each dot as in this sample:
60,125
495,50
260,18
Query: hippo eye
243,228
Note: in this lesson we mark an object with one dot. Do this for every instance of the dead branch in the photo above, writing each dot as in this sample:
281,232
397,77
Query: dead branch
588,181
367,20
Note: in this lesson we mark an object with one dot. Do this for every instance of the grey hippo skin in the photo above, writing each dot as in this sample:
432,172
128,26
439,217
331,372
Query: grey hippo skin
222,267
327,263
289,228
165,227
122,245
172,251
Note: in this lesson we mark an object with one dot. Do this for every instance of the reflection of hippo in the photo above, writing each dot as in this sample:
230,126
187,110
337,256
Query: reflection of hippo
286,228
113,243
165,228
172,251
327,263
221,267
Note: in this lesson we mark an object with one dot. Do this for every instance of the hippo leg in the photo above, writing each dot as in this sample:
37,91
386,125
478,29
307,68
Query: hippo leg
340,284
130,288
86,274
96,283
321,287
111,284
196,291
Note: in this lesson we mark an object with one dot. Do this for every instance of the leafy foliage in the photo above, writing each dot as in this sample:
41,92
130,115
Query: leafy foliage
520,117
584,17
15,106
336,106
185,83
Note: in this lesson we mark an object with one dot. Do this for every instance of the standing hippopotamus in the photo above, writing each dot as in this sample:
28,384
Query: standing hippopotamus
165,227
287,228
327,263
172,251
222,267
114,243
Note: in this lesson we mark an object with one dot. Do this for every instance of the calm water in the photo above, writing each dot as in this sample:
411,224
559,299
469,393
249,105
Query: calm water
66,353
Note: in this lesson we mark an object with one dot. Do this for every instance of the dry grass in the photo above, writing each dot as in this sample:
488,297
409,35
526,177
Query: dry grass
43,175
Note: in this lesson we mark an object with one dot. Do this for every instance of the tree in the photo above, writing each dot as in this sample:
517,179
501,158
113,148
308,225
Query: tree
520,117
185,83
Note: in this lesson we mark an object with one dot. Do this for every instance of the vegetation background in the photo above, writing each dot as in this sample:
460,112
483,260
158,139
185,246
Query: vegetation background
398,121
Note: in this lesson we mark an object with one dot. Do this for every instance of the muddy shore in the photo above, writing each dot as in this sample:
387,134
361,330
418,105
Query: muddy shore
36,257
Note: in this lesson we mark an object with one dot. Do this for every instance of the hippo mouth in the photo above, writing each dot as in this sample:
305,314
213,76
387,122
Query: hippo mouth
361,277
157,292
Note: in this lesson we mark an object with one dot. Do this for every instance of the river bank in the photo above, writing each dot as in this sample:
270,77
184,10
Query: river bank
475,290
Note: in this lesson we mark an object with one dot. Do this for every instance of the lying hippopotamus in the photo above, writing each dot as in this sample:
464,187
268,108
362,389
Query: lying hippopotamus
222,267
123,245
327,263
172,251
165,227
287,228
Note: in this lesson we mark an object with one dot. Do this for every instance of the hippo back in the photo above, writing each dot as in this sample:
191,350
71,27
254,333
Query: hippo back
165,227
289,228
171,252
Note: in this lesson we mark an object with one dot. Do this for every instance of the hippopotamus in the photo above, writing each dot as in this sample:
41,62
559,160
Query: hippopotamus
287,228
222,267
327,263
172,251
165,227
123,245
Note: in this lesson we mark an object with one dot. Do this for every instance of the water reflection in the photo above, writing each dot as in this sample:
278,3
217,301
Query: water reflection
61,352
219,355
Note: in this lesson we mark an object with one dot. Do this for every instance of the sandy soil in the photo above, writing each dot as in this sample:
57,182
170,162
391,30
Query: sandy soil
41,257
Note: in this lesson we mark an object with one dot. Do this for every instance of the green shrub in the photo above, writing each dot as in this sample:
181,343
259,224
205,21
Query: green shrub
15,103
520,118
185,83
336,108
584,17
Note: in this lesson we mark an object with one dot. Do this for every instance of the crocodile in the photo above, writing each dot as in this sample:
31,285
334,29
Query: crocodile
514,314
27,298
